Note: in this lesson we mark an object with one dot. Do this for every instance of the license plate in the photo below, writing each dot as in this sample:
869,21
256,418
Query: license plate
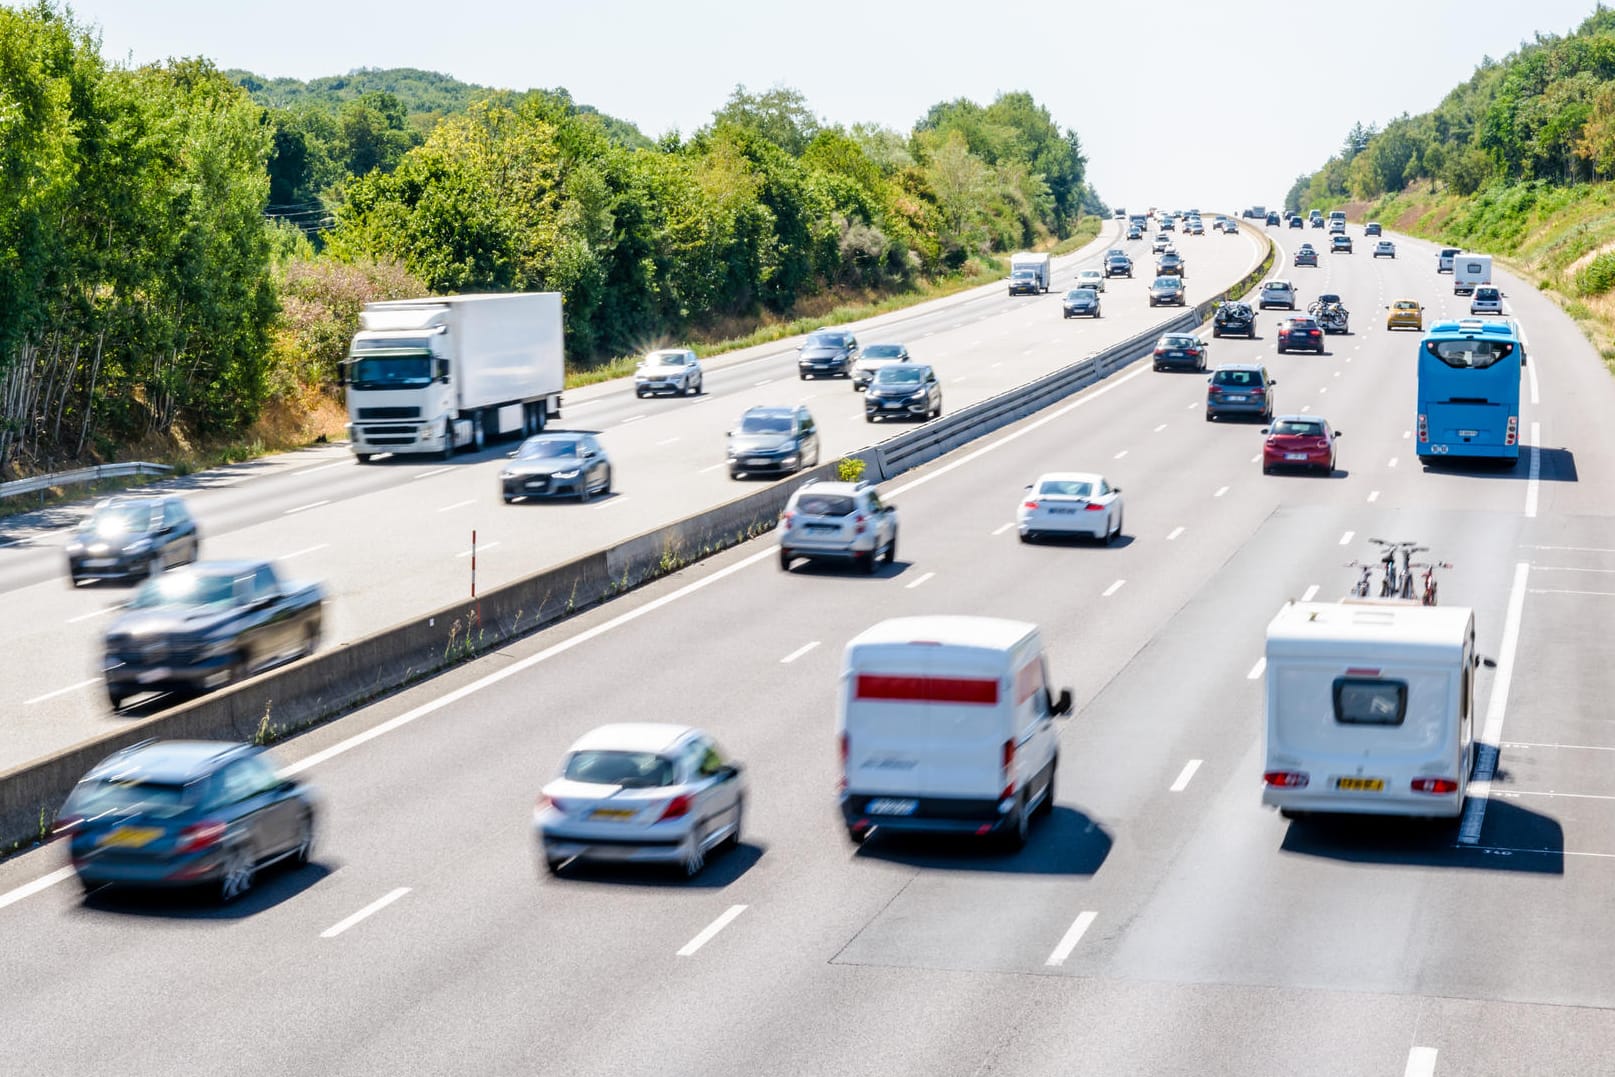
132,837
757,461
1295,456
1469,433
1064,512
1360,785
615,815
152,676
886,806
891,404
823,527
100,562
1236,399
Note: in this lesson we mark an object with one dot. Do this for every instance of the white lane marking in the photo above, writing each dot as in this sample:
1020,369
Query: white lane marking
434,471
1310,593
458,505
960,378
1406,434
1337,373
711,930
1533,481
369,910
92,615
1553,591
1555,793
975,343
922,579
304,550
1072,936
1220,491
1496,707
1184,776
62,691
1193,404
714,467
1345,539
997,364
1536,397
44,882
630,419
999,530
1160,428
1028,351
1257,669
1569,568
323,467
1113,588
522,665
1256,458
1391,462
1576,549
305,508
1373,495
1325,389
1421,1062
1567,747
1119,455
1306,407
481,548
798,653
1175,532
760,384
666,441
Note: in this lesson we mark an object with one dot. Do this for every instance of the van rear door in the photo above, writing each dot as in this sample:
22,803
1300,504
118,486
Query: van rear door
926,730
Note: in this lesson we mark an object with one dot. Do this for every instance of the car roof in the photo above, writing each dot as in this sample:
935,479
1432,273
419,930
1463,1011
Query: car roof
1236,366
1276,283
168,761
847,489
1299,417
659,352
632,737
769,409
955,629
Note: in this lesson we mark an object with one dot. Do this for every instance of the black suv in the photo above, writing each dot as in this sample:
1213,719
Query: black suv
829,352
1234,319
132,537
777,440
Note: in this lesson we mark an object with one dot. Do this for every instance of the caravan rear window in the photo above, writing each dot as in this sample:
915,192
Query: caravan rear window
1361,701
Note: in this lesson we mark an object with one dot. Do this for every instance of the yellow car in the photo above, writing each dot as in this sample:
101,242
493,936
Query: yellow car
1405,314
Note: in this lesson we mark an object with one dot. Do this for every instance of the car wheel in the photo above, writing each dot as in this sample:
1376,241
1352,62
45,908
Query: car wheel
785,559
733,840
640,393
303,851
891,548
364,457
733,474
1211,417
239,873
508,498
856,836
802,377
448,439
866,562
311,640
607,488
114,697
869,416
1047,807
583,490
1281,349
695,859
1116,534
1019,830
552,865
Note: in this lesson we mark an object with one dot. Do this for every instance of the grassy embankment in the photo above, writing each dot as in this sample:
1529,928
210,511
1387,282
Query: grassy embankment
1562,239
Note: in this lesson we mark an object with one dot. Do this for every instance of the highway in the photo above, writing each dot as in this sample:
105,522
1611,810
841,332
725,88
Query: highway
1160,922
393,540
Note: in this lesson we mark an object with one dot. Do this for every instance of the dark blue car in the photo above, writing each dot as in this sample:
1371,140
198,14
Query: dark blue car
185,814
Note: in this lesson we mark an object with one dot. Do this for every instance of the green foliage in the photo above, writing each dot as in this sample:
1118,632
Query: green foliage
320,302
850,468
1598,277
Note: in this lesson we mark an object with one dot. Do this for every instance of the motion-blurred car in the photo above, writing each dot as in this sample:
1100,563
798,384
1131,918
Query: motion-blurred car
1170,264
1276,293
1340,243
671,370
556,465
1070,503
1486,301
1299,333
1239,389
1180,350
1234,318
1337,227
908,391
872,358
1091,278
1372,228
641,792
1165,291
1303,441
1385,249
1305,255
773,440
1080,302
184,813
827,353
132,537
839,521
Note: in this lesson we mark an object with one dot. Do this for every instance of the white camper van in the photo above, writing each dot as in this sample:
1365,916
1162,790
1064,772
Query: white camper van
945,724
1470,271
1370,708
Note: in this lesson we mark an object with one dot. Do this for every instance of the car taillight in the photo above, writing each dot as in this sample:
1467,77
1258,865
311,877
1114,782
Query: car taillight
1312,332
1214,390
1258,392
1091,507
858,523
1512,434
1193,351
1286,779
550,802
1009,769
199,836
677,808
1424,430
787,517
1028,504
66,825
1435,786
845,748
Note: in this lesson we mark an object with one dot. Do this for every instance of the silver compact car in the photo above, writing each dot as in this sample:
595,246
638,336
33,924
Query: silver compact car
641,792
671,370
840,521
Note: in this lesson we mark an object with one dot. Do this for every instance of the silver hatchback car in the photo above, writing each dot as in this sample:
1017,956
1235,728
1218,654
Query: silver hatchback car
838,521
1486,301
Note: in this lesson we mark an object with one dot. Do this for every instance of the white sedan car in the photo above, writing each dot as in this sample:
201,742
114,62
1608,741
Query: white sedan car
1091,278
1070,503
643,792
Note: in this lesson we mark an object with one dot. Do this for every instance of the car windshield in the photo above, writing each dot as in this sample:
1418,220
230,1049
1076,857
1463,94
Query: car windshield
176,590
765,424
1485,293
120,519
1064,488
1166,283
883,351
547,449
1025,274
826,504
899,375
1406,304
1302,323
631,770
1082,293
1298,426
1177,342
1328,297
94,799
1234,377
667,359
823,340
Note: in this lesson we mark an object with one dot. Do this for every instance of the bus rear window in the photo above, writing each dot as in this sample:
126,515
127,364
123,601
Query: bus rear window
1469,354
1363,701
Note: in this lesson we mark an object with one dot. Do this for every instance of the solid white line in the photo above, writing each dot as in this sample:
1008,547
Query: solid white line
1551,793
1160,428
1193,404
615,499
1556,591
440,470
1567,747
91,615
522,665
1345,539
1574,549
62,691
1570,568
1220,491
1119,455
1257,669
1183,778
1373,495
1176,531
305,508
919,581
1112,589
481,548
1492,734
711,930
799,652
1307,595
458,505
1005,527
1536,397
44,882
305,549
1072,936
1533,481
322,467
374,907
960,378
1421,1062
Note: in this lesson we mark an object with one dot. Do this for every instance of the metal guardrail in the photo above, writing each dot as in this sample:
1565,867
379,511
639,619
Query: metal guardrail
41,483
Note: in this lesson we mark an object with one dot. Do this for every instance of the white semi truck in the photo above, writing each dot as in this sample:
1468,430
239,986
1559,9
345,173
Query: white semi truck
450,372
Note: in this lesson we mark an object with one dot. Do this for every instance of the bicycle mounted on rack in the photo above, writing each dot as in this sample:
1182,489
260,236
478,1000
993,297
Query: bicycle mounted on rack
1397,573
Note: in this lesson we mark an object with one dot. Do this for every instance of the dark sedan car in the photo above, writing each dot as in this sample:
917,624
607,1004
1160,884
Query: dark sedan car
132,537
183,814
1168,290
1305,255
1372,228
556,465
911,391
1118,265
827,353
1234,319
1180,350
775,440
1080,301
1239,389
1297,222
1170,264
1300,334
1025,282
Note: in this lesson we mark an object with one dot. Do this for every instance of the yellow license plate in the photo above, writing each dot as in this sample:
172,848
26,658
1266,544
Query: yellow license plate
1361,785
614,814
132,837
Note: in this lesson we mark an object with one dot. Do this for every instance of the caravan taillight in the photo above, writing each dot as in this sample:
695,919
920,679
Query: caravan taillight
1435,786
842,784
1286,779
1009,770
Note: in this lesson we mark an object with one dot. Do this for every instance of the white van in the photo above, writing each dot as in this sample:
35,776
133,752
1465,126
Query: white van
1469,271
945,724
1370,708
1037,263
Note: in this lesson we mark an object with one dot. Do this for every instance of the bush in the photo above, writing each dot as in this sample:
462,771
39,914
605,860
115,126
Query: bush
1598,276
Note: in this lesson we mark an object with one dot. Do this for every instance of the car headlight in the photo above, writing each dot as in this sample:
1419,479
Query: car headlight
505,475
918,394
567,474
75,547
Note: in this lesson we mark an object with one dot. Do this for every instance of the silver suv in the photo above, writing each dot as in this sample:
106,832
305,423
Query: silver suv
842,521
1277,293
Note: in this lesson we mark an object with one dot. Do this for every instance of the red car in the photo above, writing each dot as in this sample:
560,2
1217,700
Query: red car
1303,441
1300,333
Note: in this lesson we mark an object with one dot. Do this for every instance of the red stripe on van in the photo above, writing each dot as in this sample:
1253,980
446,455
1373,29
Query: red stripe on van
1028,681
926,689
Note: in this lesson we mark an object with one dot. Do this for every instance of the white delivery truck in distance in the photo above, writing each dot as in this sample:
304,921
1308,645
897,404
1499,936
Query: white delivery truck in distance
1469,271
433,375
1370,708
1038,263
945,725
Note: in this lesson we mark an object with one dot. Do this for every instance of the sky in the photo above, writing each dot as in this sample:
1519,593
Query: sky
1205,103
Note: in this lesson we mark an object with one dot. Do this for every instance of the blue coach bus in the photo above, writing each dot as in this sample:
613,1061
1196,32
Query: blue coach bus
1469,390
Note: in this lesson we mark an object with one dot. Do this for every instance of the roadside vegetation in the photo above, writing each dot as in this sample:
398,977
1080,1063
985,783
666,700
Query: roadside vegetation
187,249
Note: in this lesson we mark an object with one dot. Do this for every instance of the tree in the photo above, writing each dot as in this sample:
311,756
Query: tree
779,115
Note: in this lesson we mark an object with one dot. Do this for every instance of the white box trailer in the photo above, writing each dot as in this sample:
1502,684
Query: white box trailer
436,374
1469,271
944,725
1038,263
1370,708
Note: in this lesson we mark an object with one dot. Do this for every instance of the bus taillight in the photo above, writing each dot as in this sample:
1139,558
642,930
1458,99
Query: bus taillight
1513,434
1424,430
